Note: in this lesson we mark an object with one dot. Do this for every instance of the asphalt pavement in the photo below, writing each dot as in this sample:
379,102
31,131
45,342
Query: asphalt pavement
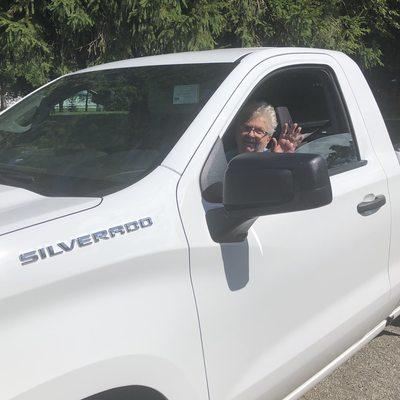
371,374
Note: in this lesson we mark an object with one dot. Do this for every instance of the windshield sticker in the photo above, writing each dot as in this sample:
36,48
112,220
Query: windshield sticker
84,240
186,94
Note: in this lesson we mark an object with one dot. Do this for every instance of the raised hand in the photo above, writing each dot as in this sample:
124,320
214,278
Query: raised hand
289,139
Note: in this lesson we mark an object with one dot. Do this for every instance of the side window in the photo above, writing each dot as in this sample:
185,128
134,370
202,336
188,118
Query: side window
94,121
81,102
311,97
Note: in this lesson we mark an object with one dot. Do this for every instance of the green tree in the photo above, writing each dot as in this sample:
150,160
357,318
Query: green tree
25,57
355,27
42,39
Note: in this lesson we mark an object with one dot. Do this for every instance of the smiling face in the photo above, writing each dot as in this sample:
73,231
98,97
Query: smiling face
254,135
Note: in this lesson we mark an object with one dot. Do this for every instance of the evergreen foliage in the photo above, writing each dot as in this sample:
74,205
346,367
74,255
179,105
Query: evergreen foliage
41,39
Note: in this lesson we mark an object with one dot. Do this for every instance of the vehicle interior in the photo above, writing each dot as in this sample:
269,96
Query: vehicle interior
308,96
94,133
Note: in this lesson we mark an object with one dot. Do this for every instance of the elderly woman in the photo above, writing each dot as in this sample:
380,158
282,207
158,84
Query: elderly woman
257,125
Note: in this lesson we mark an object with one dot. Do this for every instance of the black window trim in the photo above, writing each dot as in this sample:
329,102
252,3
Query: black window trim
347,167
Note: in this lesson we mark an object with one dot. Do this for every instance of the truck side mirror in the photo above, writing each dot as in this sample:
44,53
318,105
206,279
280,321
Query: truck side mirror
257,184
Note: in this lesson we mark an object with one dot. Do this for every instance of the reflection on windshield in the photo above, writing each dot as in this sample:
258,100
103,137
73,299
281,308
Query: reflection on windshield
94,133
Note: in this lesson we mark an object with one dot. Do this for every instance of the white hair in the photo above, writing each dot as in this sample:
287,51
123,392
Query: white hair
266,111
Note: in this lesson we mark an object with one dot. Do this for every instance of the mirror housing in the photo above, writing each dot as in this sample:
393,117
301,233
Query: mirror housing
257,184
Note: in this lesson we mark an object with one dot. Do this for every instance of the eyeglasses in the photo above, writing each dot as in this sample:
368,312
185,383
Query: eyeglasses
258,131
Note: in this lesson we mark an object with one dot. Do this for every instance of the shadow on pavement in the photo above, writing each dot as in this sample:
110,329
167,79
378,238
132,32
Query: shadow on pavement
388,333
396,322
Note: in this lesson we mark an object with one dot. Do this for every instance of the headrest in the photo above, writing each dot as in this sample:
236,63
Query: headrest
283,116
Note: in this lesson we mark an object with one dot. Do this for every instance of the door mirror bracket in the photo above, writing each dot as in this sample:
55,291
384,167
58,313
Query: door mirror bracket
225,228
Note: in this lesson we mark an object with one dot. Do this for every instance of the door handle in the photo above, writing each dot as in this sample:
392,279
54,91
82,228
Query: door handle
369,207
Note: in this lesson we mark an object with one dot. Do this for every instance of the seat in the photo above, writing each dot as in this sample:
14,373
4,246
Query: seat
283,117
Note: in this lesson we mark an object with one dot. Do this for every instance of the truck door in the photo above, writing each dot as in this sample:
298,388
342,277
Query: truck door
385,142
304,286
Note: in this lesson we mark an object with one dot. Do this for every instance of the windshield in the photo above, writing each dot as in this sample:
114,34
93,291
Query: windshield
94,133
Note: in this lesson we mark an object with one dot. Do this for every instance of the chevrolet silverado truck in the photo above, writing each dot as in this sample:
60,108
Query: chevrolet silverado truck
138,263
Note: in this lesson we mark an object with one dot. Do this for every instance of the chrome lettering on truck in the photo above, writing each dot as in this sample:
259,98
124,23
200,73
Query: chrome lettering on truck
82,241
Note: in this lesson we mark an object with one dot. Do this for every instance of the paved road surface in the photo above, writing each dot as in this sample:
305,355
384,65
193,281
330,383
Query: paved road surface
371,374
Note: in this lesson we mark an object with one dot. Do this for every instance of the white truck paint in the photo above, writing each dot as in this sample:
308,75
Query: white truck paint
164,306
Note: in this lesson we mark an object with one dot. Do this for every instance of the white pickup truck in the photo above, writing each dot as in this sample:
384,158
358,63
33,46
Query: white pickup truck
135,264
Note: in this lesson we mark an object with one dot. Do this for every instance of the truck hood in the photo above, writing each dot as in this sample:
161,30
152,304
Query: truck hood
20,208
